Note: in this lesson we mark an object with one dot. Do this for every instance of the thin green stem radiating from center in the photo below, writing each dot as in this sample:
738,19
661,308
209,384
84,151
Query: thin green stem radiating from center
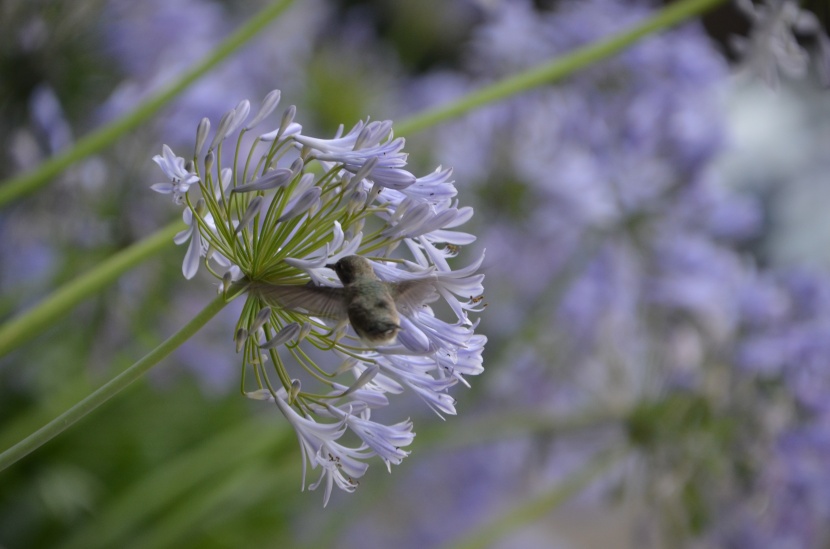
28,324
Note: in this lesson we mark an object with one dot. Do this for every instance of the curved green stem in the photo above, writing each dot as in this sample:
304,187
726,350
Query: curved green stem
25,326
31,181
126,514
562,66
113,387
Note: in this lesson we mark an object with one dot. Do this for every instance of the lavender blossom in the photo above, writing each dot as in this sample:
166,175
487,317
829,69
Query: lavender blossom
174,169
784,349
268,225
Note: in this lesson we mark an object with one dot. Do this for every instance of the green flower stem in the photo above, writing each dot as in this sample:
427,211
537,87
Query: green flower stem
31,181
258,483
565,65
124,516
114,386
28,324
534,509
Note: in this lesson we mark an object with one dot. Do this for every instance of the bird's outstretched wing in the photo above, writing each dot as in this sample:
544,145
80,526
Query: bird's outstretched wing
411,294
316,300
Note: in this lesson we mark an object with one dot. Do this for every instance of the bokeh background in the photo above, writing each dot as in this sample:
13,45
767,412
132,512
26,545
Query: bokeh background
657,259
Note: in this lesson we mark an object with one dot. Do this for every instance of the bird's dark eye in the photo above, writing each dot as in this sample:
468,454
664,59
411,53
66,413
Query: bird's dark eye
344,272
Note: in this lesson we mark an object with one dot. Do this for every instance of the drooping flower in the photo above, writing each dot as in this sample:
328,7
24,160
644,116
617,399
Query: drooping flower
293,206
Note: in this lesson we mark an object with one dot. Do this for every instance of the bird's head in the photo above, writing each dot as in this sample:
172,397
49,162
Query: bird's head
352,268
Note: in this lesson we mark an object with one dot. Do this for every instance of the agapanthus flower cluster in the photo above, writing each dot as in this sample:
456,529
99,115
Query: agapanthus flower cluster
281,213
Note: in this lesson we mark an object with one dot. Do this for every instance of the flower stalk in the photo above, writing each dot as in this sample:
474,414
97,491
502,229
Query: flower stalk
27,325
112,387
30,182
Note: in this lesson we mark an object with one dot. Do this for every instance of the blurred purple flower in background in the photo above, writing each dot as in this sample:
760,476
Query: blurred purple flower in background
156,41
601,185
637,283
787,346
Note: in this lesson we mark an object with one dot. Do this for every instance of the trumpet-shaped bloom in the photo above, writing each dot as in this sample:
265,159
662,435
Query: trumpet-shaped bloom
308,203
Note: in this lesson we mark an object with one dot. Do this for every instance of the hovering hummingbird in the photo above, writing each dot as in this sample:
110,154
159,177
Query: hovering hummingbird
368,303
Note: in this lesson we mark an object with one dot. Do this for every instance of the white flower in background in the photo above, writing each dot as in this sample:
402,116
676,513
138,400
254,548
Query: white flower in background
773,44
174,168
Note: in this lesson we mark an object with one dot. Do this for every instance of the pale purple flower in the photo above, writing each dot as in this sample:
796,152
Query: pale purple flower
195,249
434,187
48,115
318,442
356,148
385,440
287,226
411,219
230,122
180,178
198,247
417,373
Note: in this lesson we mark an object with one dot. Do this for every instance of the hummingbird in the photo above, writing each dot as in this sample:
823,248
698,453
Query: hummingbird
369,304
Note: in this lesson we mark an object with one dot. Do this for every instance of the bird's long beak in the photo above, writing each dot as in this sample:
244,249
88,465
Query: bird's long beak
330,265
